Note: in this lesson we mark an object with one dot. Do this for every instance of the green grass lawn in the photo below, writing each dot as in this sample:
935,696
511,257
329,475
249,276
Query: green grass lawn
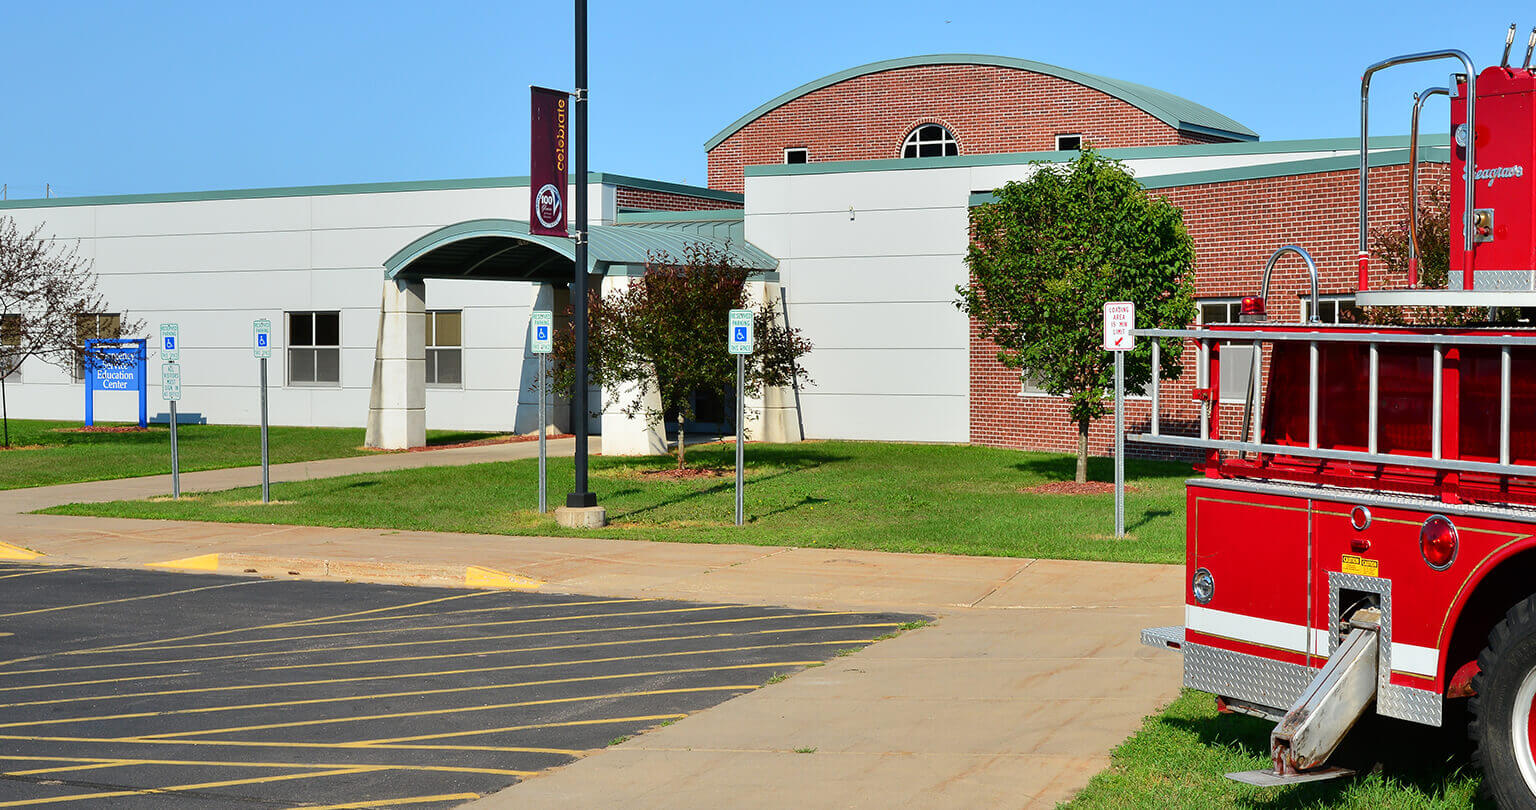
867,495
46,452
1178,760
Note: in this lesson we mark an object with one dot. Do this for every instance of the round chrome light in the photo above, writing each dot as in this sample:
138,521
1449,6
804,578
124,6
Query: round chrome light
1203,585
1438,542
1360,518
1461,134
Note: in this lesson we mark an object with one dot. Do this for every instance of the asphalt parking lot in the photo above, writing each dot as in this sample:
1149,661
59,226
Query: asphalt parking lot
129,688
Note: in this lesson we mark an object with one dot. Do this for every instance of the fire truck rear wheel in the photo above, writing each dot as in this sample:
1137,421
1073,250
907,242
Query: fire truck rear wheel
1503,723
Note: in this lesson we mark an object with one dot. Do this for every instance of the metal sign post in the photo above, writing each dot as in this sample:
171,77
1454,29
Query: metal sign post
739,337
261,347
170,391
543,343
1119,320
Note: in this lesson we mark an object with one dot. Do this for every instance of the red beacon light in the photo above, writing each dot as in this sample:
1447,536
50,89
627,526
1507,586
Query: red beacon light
1437,542
1252,309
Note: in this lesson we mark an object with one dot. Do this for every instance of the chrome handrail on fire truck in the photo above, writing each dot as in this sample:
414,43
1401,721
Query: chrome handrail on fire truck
1436,344
1469,182
1413,180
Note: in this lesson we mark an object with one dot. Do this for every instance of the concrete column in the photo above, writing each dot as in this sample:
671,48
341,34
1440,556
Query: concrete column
771,416
397,405
624,435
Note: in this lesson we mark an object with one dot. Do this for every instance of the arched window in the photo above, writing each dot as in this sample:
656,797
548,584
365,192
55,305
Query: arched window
930,140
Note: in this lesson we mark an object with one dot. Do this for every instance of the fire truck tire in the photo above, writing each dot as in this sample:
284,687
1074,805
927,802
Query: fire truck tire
1502,724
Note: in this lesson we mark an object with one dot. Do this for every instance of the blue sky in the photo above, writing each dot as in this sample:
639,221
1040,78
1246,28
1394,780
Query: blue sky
118,97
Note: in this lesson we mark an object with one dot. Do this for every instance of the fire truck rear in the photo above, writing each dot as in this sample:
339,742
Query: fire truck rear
1367,544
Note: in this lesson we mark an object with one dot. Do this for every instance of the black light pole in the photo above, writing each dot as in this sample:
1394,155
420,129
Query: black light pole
581,497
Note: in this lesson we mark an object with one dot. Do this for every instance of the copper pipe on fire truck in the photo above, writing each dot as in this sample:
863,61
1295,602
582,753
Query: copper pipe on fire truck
1365,155
1413,178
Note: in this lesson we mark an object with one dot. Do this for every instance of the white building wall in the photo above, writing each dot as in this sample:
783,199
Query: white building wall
869,263
214,266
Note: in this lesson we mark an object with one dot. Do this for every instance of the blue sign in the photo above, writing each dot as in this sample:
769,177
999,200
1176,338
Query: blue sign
741,334
170,343
261,338
542,333
115,365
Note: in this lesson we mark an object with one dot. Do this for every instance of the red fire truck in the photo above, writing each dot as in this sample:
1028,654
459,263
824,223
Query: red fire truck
1367,543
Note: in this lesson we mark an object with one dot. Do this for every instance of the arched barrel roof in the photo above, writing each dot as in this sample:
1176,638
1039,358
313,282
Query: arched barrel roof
1175,111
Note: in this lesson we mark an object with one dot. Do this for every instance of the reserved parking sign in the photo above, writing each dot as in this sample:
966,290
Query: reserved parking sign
740,331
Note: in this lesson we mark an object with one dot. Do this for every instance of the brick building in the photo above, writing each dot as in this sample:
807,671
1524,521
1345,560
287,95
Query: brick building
849,195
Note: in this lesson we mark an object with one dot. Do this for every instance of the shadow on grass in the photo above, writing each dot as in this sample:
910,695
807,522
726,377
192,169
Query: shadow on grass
460,437
1413,756
1148,516
1064,468
806,501
714,489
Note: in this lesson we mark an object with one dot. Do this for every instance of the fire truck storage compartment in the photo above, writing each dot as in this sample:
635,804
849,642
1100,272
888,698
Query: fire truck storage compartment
1470,412
1227,532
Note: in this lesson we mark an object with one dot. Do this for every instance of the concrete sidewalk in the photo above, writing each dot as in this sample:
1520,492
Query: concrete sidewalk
1013,698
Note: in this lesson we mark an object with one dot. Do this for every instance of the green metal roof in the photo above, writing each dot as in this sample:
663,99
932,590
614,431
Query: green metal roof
601,178
1175,111
504,249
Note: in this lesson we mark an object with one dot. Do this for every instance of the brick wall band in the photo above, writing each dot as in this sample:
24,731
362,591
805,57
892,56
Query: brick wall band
988,108
648,200
1235,227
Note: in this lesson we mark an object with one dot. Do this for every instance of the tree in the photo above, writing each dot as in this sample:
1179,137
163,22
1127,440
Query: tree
1047,255
665,334
1391,244
46,288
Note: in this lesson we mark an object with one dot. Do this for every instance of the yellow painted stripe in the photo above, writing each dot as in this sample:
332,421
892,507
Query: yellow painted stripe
38,571
69,684
627,641
460,612
14,552
503,749
112,763
455,710
410,675
438,799
476,576
98,762
390,695
429,628
503,637
385,742
131,599
276,625
202,562
82,797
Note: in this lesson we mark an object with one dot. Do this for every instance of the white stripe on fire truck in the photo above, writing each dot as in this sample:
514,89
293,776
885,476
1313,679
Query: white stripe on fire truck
1409,658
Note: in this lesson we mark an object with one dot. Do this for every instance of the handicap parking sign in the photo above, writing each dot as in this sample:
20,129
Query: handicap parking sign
261,343
170,344
740,331
543,326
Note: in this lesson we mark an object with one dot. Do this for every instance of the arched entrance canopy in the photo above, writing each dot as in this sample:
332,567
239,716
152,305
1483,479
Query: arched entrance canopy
503,249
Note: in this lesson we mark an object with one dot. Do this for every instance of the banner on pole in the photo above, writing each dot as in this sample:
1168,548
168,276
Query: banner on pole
548,167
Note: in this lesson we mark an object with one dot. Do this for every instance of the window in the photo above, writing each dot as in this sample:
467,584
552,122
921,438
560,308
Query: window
95,326
445,341
10,346
1236,358
1331,309
1069,143
314,348
797,154
930,140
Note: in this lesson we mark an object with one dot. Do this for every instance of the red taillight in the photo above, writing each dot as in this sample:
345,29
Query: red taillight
1252,305
1437,542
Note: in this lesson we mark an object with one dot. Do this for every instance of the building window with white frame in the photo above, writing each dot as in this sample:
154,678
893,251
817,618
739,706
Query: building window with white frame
930,140
797,154
1069,143
314,348
1236,358
94,326
445,348
1331,309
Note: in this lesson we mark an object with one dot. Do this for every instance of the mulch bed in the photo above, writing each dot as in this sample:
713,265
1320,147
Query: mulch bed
1074,488
688,473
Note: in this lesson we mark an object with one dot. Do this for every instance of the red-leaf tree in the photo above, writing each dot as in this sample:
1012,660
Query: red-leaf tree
665,334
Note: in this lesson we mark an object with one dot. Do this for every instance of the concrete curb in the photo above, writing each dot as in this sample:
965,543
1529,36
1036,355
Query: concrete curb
379,572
